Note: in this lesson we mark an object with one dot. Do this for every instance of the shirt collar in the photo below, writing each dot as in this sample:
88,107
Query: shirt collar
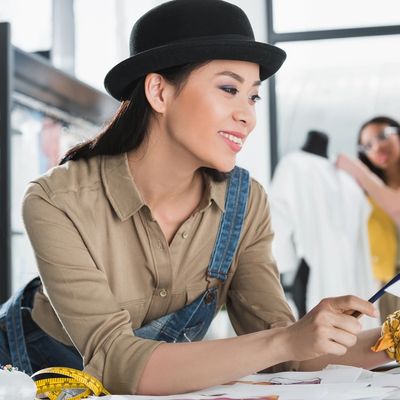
120,187
215,191
125,197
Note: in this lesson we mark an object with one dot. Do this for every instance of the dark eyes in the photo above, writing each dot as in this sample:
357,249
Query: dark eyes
232,90
255,98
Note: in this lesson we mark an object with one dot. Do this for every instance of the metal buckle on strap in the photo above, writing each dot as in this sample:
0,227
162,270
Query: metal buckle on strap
213,282
209,297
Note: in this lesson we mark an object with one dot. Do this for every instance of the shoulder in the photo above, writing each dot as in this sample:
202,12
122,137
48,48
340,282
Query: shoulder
257,197
71,177
257,204
256,227
257,192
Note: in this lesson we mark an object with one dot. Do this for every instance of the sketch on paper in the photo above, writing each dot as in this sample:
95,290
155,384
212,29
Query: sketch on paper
281,380
270,397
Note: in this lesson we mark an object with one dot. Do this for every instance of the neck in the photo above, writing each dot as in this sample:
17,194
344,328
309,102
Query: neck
319,149
161,173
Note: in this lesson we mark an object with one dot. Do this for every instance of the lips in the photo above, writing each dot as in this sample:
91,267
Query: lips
382,157
233,139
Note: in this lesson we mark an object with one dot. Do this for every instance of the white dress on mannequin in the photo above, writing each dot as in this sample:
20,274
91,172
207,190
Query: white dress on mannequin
320,214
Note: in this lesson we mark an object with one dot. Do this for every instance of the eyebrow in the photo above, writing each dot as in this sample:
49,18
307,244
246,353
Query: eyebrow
236,77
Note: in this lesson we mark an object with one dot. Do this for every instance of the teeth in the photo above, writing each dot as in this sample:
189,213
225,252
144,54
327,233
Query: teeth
232,138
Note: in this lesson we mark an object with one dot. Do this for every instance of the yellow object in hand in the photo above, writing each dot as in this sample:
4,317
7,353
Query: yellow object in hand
390,337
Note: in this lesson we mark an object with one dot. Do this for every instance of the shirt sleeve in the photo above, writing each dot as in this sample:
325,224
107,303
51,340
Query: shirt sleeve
81,297
256,300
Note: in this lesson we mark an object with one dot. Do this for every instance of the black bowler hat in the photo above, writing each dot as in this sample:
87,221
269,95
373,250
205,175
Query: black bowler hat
188,31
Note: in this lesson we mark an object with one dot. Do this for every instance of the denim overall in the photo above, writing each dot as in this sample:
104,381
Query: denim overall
24,345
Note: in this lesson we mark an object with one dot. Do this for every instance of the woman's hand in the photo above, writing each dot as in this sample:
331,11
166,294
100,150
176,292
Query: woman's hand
351,165
328,328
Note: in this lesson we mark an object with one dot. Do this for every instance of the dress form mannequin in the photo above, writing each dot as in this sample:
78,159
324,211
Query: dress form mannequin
316,143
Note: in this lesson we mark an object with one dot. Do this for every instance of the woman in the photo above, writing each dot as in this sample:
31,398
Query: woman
378,170
145,231
378,173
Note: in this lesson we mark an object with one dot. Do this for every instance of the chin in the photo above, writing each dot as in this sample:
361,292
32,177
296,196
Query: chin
383,165
223,166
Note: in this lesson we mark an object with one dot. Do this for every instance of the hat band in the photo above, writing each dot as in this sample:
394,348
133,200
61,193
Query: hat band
226,36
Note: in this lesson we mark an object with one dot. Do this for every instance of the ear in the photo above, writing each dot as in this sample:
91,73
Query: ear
157,91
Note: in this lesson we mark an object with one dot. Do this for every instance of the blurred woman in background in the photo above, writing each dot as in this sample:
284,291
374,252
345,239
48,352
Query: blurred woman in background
378,173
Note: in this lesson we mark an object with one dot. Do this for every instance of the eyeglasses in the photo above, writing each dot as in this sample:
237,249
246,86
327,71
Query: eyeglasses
380,138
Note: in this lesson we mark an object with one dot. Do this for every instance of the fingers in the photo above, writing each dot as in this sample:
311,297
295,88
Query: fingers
343,338
346,323
349,304
330,318
329,328
335,349
340,345
323,332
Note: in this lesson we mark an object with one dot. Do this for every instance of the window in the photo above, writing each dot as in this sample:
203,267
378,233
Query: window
31,23
101,36
334,86
307,15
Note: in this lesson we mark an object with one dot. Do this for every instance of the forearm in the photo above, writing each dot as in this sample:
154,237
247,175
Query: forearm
183,367
387,198
360,355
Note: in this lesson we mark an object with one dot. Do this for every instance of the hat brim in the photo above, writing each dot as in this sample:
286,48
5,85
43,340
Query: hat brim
120,80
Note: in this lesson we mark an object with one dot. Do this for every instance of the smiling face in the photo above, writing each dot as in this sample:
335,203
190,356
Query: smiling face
381,144
208,120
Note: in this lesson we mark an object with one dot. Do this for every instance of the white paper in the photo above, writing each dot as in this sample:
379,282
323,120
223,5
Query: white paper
394,289
15,385
335,382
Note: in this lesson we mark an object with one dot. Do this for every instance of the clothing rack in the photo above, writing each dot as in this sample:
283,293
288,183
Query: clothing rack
48,110
31,81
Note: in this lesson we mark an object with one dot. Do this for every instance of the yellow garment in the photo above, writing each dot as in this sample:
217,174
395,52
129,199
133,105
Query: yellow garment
382,235
390,337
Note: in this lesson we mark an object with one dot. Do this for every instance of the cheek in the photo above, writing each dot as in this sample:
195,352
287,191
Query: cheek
187,123
373,159
200,114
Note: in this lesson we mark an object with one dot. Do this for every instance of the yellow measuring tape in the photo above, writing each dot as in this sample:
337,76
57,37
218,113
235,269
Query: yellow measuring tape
54,382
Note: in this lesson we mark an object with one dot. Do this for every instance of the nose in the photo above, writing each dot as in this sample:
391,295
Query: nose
376,145
245,114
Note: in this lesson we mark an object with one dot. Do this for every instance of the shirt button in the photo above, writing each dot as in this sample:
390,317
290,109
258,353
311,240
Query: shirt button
185,235
163,293
160,245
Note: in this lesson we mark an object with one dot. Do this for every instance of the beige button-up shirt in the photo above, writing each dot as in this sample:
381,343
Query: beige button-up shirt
107,268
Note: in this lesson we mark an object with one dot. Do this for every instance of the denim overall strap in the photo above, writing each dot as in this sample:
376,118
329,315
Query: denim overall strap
231,224
188,324
192,321
15,330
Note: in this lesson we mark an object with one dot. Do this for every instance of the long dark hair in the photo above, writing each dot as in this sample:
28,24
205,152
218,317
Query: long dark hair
363,157
128,128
